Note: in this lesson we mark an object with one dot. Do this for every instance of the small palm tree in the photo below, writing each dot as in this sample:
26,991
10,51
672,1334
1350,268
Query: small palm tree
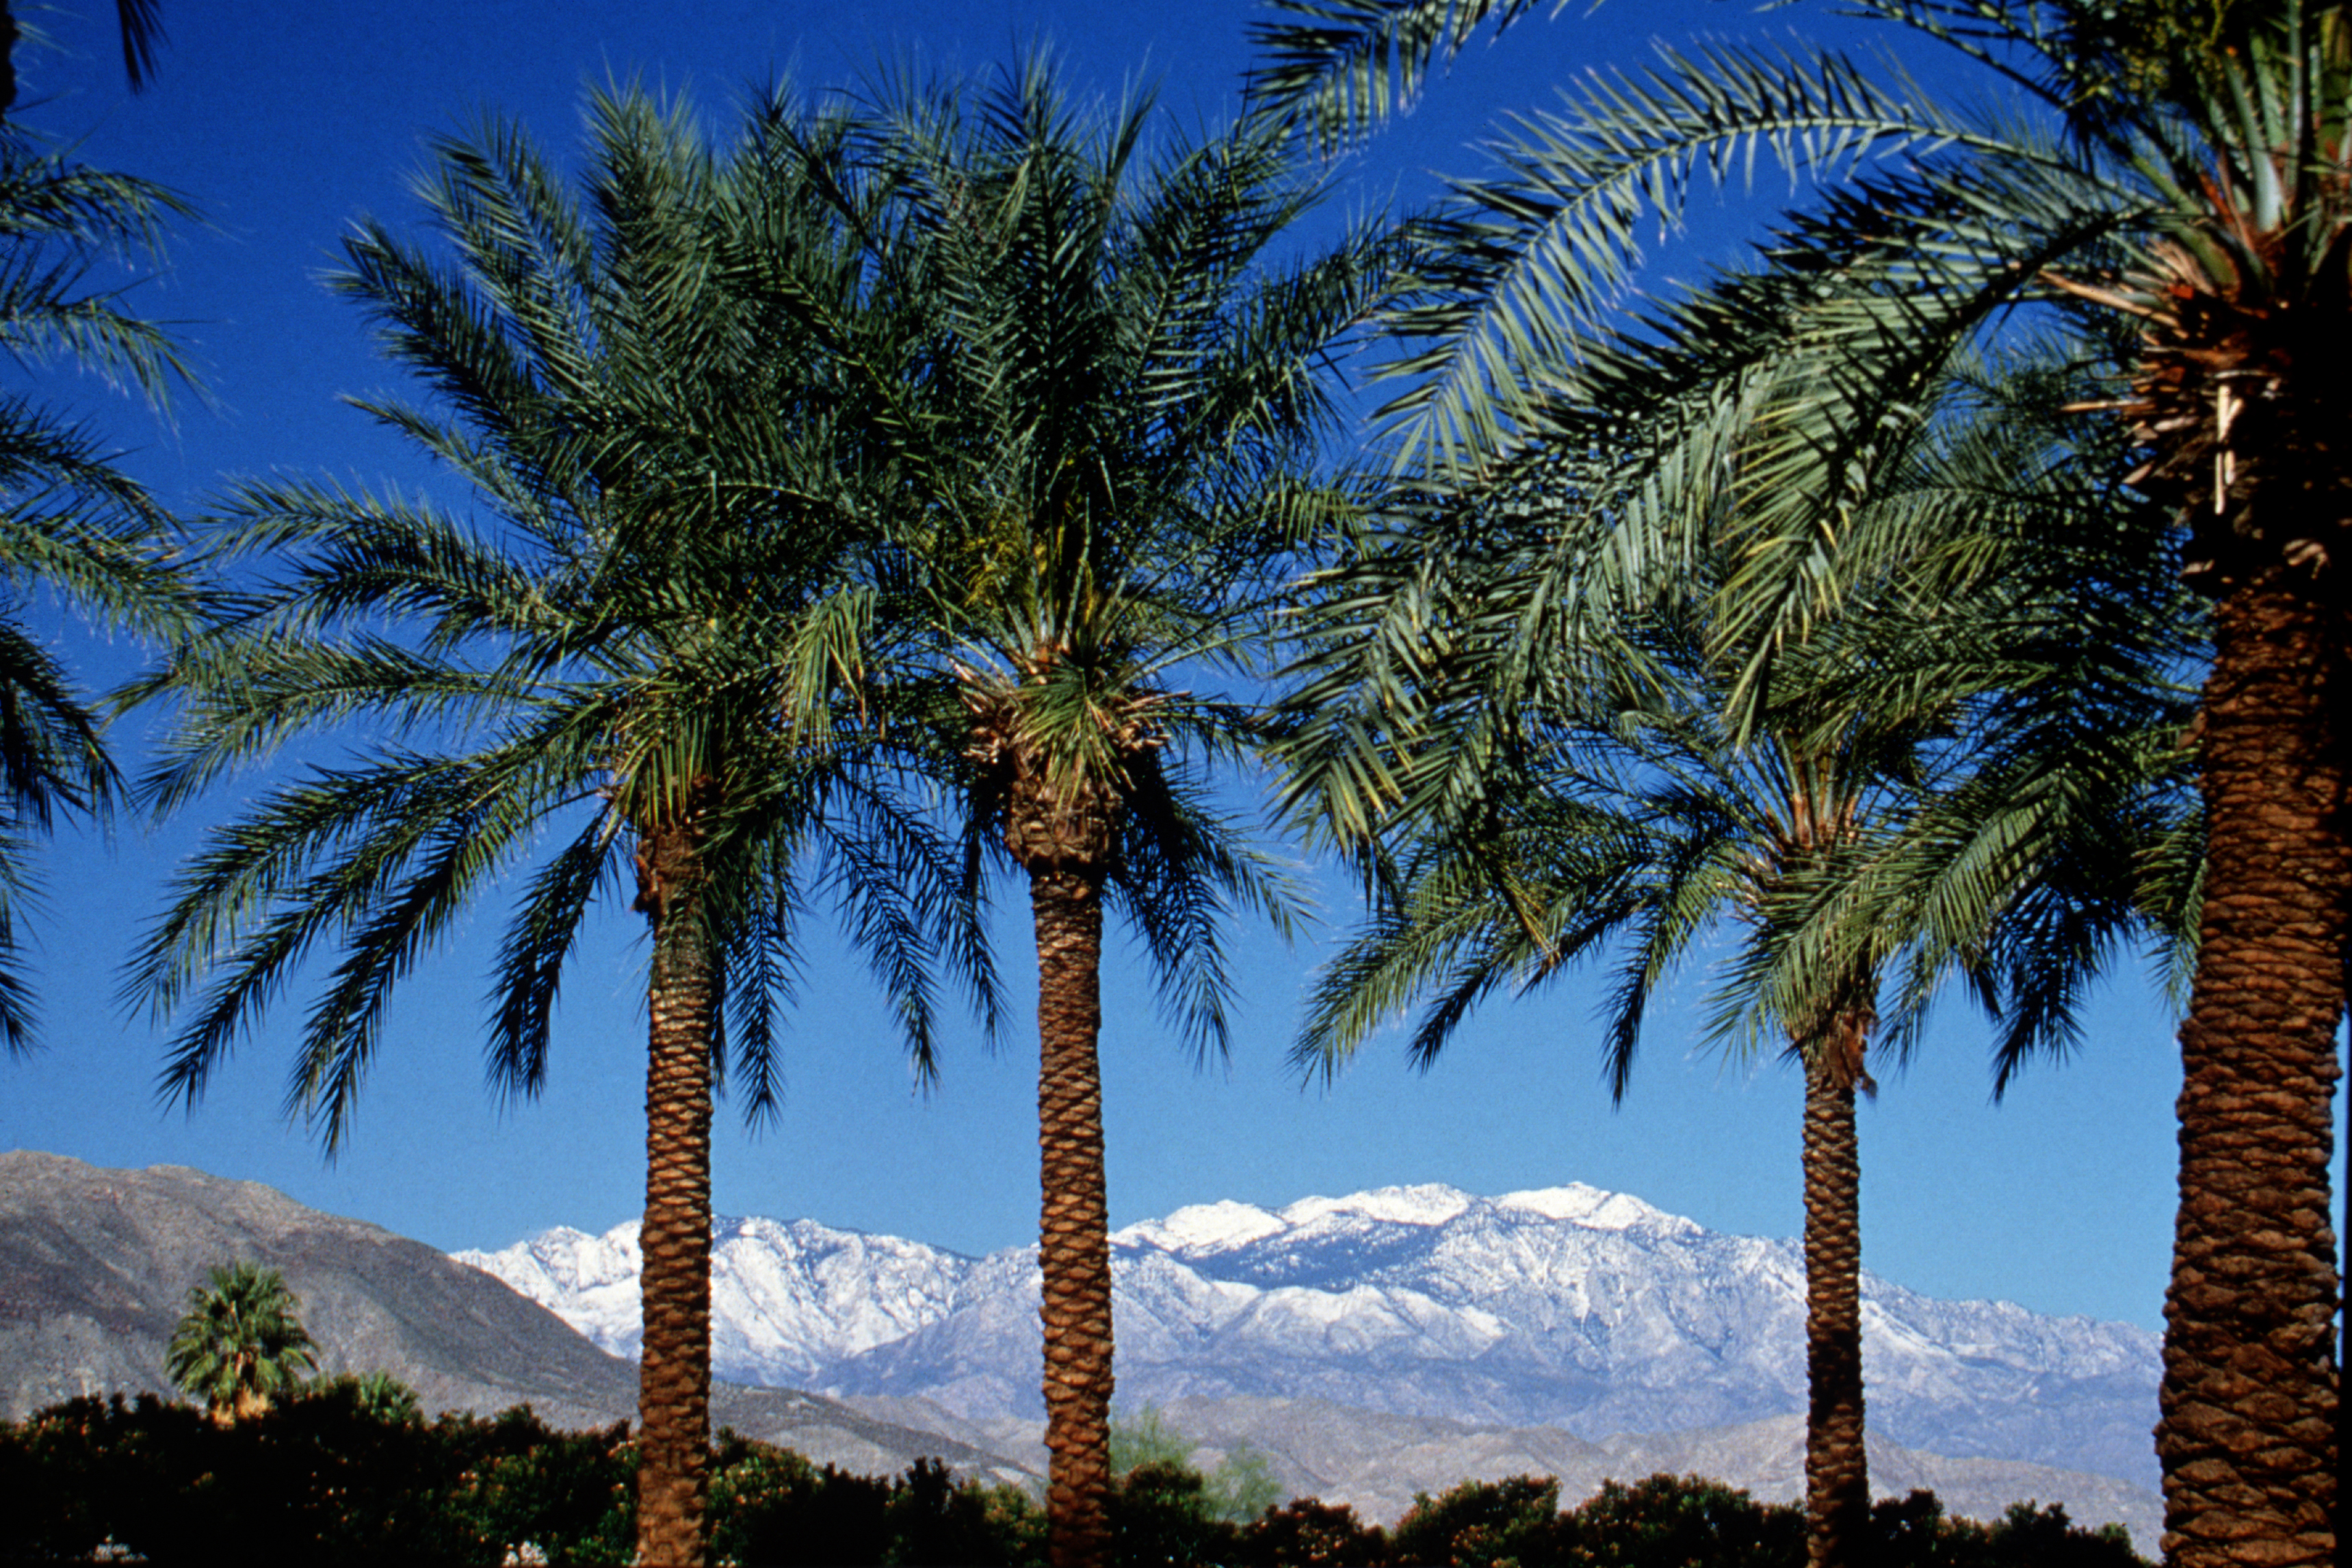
242,1345
624,682
1112,399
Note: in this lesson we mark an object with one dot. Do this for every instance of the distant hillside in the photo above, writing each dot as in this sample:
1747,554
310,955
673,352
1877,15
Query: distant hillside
96,1264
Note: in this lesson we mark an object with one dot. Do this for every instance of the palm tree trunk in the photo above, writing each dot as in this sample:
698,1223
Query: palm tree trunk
2247,1430
9,34
1837,1465
674,1377
1074,1239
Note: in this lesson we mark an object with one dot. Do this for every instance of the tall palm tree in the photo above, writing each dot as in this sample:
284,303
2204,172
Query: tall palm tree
1948,776
69,521
621,683
241,1344
2207,206
1113,399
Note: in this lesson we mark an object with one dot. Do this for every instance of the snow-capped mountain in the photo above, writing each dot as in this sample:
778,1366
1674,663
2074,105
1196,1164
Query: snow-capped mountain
789,1299
1569,1307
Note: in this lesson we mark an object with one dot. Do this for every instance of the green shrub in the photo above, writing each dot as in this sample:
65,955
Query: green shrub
1308,1533
1241,1487
774,1508
93,1470
1680,1520
936,1521
1160,1516
1685,1521
378,1395
571,1495
1482,1523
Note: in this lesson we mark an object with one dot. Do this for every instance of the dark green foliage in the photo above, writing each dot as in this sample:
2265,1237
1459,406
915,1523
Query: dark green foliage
936,1522
2030,1536
772,1507
379,1394
1312,1534
314,1479
2170,50
337,1478
90,1470
1161,1515
1685,1521
328,1478
1240,1488
572,1494
1681,1519
1481,1522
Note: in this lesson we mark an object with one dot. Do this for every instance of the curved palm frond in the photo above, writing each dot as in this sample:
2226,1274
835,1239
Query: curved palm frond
70,521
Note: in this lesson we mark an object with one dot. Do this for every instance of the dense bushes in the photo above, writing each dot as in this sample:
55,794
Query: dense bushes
330,1477
350,1474
1670,1522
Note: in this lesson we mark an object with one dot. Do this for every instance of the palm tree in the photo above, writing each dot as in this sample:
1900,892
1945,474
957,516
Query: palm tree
1948,776
69,521
241,1344
2207,203
623,684
1112,397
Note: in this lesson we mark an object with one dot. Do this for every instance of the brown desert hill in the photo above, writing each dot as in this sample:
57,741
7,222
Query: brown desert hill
96,1266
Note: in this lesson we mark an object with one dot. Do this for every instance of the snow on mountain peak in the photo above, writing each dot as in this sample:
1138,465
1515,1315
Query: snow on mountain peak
1200,1228
1596,1209
1430,1203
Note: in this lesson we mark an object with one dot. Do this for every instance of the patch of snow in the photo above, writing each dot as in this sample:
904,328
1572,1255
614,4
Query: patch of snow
1430,1203
1596,1209
1202,1227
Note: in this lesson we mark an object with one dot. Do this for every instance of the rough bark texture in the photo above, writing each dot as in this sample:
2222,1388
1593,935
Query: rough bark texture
2248,1429
1837,1473
673,1379
1075,1234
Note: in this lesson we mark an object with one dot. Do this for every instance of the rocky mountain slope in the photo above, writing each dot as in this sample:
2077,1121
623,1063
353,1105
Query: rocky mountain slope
1570,1307
96,1264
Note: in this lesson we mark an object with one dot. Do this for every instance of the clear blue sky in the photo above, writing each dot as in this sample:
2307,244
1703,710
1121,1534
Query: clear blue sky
284,119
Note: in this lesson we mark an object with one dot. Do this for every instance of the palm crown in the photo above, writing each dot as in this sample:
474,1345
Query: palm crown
241,1344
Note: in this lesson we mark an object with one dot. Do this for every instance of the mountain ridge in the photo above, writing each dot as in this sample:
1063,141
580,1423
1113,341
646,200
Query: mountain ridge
1565,1306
